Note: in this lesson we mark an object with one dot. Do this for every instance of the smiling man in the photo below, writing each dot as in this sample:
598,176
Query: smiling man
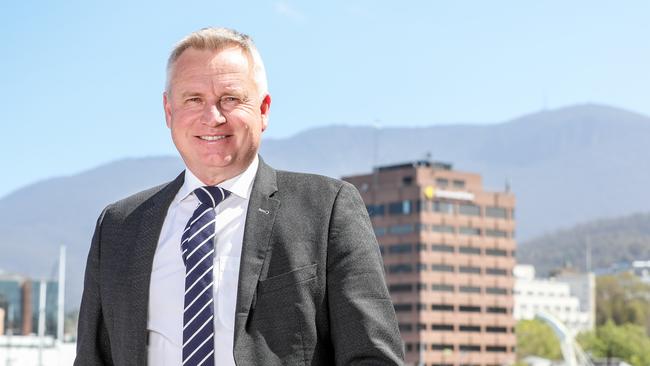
233,262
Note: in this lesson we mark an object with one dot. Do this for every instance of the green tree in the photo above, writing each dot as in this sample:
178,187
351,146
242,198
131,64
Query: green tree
535,338
623,299
628,342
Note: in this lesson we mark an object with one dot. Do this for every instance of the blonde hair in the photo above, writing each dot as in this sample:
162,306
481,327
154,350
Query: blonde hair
218,39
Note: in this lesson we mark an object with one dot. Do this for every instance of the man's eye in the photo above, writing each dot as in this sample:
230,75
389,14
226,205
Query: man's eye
229,100
193,100
229,103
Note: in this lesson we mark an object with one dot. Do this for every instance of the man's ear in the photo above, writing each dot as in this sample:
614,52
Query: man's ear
168,109
264,111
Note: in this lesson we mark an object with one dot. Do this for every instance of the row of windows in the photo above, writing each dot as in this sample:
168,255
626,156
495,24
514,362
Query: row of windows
402,248
408,207
411,347
443,287
441,267
402,307
404,229
407,327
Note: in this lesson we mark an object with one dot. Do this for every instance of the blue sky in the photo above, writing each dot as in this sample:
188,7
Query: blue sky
81,81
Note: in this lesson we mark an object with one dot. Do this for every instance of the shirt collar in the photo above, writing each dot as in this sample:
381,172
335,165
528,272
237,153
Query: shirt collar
240,185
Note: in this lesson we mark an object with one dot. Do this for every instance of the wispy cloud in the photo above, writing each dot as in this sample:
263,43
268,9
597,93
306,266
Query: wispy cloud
285,9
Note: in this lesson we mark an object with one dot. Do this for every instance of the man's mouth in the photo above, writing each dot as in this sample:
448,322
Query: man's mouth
212,138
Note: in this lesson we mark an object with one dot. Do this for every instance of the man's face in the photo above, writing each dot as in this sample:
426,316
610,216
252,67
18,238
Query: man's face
215,112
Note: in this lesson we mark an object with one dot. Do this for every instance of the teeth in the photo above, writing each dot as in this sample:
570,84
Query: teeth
212,138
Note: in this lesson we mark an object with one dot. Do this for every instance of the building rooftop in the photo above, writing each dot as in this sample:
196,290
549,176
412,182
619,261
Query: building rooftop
415,164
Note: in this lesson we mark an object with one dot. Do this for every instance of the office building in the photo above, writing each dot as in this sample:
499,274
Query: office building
449,251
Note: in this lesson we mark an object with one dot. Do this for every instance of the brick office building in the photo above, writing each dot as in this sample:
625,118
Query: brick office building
449,251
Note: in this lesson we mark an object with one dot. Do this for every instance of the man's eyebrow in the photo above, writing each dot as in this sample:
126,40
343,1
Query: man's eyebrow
187,93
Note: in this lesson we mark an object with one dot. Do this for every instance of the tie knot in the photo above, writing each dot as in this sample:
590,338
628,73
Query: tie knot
211,196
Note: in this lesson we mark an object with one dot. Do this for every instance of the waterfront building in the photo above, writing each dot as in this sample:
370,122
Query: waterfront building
449,250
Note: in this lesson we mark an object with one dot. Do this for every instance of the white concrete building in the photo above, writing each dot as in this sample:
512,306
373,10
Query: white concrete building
560,297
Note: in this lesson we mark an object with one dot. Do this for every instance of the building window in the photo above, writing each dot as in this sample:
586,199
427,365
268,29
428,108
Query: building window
421,326
380,231
441,287
469,308
421,247
464,230
493,233
401,229
421,267
442,248
470,289
496,329
443,229
496,212
400,248
458,183
469,328
496,252
400,268
469,348
405,327
421,227
420,206
496,349
442,347
375,210
496,291
442,307
496,271
421,286
438,267
442,327
469,250
400,208
400,287
407,181
442,182
469,209
442,207
402,307
469,269
497,310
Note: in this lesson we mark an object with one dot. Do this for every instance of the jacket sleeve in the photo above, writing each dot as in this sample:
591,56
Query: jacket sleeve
362,318
93,344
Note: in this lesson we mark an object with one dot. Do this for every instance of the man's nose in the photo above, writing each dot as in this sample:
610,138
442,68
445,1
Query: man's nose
212,116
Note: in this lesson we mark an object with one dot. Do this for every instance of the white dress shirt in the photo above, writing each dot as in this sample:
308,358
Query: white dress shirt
167,288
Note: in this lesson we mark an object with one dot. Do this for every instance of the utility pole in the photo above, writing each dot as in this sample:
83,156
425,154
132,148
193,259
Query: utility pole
60,323
41,319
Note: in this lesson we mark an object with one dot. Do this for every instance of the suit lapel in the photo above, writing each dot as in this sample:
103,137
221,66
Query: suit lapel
151,219
262,210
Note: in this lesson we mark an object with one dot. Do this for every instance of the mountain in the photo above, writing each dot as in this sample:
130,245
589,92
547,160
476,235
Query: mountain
565,166
609,241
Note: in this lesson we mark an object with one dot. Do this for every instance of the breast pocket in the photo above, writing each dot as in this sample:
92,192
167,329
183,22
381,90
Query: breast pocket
226,278
292,278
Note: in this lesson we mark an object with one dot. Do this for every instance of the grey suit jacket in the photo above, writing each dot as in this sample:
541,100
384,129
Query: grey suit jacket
311,285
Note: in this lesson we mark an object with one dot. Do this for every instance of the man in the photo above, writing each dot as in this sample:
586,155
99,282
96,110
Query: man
233,262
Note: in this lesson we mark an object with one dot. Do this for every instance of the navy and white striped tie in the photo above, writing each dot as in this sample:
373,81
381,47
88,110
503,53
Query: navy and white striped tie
197,246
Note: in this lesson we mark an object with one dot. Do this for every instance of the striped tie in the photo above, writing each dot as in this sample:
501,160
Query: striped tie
197,245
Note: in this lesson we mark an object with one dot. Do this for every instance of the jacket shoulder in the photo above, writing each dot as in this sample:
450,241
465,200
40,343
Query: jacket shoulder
309,182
